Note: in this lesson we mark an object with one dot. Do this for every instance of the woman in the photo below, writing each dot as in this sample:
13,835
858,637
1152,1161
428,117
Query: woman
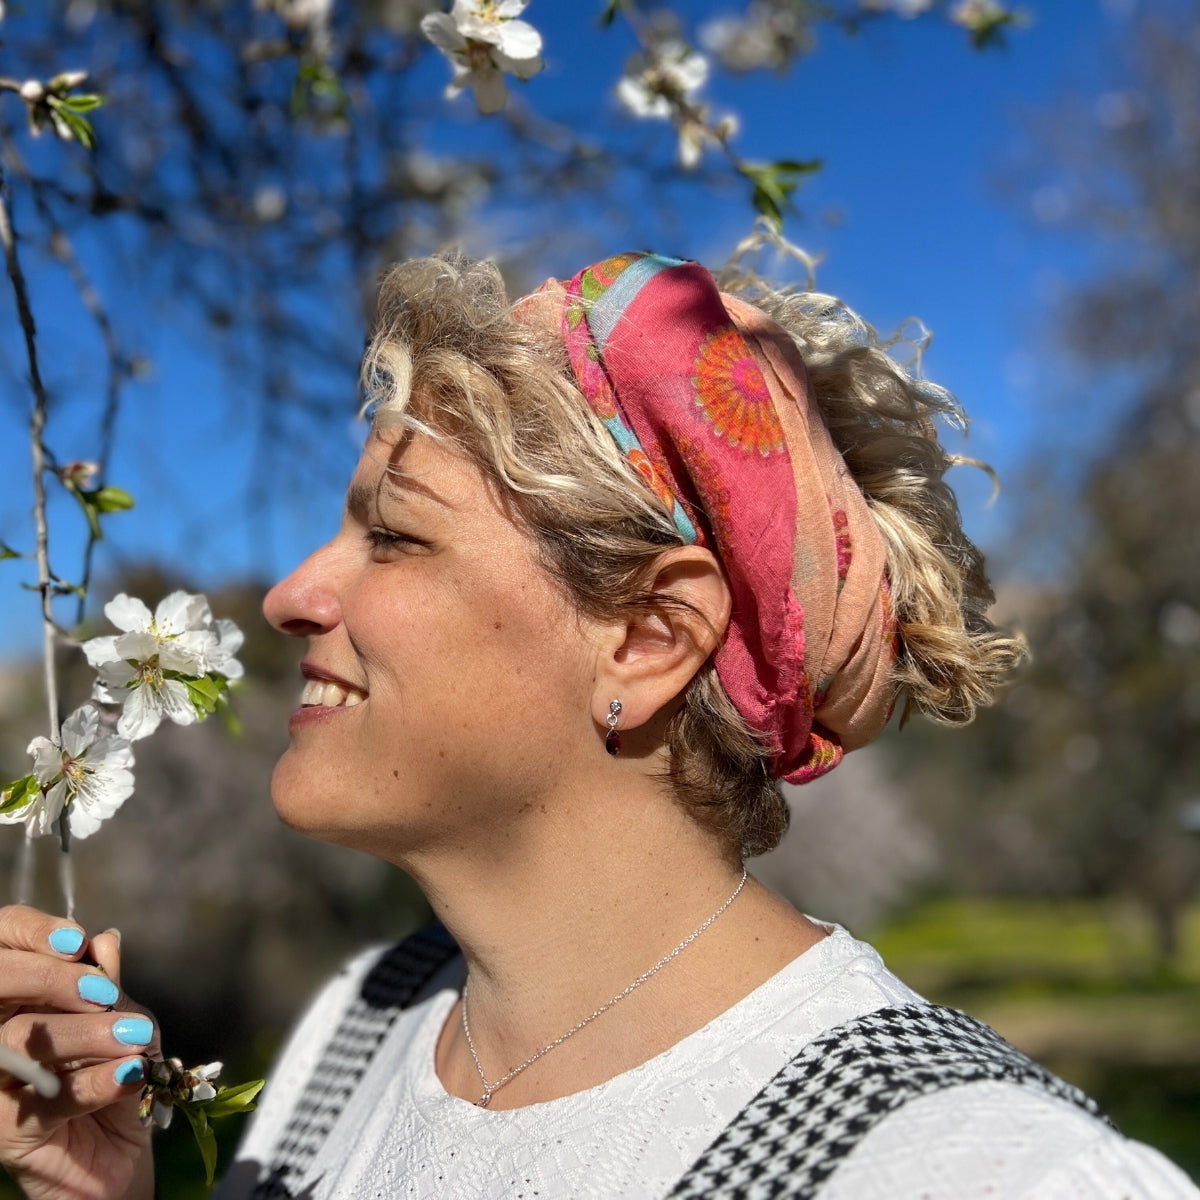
615,561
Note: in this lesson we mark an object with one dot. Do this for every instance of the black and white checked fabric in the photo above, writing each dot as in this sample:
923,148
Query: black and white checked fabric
793,1135
388,988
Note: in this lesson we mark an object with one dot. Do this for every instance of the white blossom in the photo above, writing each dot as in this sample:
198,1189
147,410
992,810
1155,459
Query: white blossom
656,85
87,775
171,1083
146,666
201,1080
770,34
663,83
483,39
219,658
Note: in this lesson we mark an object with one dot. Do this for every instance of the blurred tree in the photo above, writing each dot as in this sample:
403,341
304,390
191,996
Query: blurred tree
1086,778
256,161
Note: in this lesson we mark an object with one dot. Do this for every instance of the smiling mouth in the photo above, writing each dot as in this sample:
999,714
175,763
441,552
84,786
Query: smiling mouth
321,693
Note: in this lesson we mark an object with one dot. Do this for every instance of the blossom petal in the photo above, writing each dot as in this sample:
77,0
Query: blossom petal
181,611
79,730
137,646
519,39
522,68
99,795
189,653
115,752
128,613
42,813
111,680
176,703
480,29
507,9
101,650
441,30
47,760
489,88
142,714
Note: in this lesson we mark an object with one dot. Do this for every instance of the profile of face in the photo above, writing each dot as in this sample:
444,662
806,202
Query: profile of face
448,676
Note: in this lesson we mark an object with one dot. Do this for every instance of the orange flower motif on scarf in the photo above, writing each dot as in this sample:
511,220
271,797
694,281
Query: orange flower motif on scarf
733,394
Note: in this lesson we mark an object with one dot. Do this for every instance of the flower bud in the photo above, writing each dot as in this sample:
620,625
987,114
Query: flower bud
64,81
32,91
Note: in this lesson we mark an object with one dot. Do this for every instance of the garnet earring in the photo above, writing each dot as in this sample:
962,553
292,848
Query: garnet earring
612,740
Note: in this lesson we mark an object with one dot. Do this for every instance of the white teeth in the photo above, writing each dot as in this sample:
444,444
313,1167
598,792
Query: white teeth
320,693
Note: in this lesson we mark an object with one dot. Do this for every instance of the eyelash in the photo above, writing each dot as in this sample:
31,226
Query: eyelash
388,539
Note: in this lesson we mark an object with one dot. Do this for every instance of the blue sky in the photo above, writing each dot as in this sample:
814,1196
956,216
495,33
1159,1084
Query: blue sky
914,130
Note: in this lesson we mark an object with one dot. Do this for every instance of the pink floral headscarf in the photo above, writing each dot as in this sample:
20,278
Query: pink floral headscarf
710,400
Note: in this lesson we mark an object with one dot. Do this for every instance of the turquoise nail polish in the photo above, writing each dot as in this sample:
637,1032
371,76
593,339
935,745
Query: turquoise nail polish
133,1031
66,940
96,989
130,1072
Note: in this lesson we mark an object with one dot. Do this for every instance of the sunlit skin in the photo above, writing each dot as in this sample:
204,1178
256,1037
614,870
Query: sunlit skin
476,669
476,761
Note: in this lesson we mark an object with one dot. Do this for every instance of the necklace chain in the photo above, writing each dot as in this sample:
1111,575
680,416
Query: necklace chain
490,1089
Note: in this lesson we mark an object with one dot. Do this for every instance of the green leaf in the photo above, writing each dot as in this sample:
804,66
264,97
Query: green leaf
774,184
206,1140
81,127
231,1100
204,704
84,102
609,15
112,499
6,551
16,795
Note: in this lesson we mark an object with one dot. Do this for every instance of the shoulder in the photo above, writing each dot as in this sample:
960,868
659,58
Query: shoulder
1003,1141
336,1037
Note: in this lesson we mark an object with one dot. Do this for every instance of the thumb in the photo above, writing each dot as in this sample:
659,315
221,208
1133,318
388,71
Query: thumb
106,951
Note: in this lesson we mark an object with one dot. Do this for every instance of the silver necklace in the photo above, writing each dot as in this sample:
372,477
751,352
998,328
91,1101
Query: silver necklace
490,1089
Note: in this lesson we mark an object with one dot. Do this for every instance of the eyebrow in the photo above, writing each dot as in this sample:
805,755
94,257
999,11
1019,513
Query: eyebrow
361,496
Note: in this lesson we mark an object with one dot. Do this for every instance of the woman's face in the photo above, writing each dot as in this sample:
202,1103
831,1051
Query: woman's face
448,676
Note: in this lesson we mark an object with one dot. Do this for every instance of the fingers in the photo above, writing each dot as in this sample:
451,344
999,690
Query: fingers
85,1090
62,1042
44,981
24,928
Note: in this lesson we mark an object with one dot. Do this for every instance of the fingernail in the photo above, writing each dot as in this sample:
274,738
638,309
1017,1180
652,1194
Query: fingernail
133,1031
130,1072
95,989
117,934
66,940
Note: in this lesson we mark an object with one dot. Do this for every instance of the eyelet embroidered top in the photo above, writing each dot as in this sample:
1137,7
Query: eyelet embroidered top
399,1134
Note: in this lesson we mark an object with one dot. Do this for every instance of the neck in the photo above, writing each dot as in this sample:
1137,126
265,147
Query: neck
579,898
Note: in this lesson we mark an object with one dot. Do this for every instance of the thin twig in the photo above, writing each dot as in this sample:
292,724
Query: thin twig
37,425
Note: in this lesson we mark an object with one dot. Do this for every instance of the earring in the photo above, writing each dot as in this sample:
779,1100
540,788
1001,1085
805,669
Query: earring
612,740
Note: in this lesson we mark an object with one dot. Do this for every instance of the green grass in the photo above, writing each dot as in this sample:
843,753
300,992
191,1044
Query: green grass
1076,985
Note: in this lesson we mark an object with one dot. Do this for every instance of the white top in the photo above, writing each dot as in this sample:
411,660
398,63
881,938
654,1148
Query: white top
634,1136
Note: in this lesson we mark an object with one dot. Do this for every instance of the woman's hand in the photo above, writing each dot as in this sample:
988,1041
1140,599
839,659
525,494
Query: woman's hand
87,1143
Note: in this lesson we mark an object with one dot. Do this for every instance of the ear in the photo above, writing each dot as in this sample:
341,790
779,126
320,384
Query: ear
649,656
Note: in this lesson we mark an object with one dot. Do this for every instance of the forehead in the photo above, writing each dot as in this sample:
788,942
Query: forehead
430,474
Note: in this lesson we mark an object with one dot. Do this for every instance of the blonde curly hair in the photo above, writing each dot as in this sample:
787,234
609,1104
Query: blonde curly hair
448,358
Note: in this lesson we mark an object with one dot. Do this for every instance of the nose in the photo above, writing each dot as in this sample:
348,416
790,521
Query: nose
305,603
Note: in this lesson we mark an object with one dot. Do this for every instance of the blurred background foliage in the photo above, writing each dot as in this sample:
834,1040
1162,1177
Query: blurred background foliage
1040,869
